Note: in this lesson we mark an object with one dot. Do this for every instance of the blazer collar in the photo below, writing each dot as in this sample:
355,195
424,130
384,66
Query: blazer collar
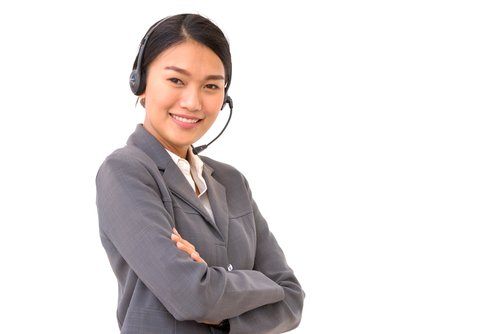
142,139
178,184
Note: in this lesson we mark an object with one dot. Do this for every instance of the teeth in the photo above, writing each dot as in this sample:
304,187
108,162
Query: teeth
185,120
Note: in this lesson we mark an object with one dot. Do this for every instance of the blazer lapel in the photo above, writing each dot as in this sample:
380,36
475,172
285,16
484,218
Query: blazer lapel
175,180
218,202
178,185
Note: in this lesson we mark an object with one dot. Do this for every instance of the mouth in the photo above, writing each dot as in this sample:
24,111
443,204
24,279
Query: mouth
185,121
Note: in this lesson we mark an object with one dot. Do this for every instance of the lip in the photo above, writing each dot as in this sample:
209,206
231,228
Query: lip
187,123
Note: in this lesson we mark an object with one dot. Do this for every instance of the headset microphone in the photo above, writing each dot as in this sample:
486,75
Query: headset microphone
229,101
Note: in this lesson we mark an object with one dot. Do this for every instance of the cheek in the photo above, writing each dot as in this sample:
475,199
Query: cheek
212,116
159,95
214,102
213,108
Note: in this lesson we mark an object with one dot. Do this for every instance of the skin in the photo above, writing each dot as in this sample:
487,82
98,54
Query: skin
183,96
186,247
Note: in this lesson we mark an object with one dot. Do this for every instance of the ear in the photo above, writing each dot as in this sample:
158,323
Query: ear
142,100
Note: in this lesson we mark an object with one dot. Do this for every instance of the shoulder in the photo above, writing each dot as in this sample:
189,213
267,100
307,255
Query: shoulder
126,160
129,154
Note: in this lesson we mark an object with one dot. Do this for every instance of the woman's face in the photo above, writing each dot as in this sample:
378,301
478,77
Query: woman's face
183,96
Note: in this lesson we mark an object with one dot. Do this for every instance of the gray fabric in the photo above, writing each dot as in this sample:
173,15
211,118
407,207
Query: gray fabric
141,196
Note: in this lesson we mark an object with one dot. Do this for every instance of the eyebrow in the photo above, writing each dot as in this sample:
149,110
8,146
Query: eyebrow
185,72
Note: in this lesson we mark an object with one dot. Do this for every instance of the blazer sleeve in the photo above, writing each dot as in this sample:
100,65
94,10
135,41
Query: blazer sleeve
270,260
136,217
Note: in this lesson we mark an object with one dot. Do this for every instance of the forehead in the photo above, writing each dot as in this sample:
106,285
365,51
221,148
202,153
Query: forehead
191,56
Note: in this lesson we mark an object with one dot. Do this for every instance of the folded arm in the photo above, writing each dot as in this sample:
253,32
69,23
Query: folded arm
133,215
270,260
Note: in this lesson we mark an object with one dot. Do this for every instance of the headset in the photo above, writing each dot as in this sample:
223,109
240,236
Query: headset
137,82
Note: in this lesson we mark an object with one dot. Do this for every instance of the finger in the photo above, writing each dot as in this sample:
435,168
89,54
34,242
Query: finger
177,237
187,243
191,252
185,248
182,244
196,256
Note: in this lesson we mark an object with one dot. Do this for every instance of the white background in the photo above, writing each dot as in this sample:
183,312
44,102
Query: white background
369,132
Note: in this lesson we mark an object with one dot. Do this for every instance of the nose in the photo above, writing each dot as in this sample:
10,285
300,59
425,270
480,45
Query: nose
191,100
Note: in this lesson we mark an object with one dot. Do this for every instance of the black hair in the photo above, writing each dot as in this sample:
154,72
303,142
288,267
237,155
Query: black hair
176,29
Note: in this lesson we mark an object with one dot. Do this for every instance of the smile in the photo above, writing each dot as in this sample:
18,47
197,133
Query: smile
185,120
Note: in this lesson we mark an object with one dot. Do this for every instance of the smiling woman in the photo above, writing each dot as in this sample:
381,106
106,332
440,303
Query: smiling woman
187,243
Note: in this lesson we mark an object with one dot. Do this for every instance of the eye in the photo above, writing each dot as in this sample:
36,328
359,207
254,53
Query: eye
176,81
212,86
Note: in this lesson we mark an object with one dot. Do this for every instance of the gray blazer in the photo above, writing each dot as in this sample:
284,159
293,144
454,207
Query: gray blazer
141,196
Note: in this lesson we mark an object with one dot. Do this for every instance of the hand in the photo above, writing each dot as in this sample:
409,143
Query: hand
186,247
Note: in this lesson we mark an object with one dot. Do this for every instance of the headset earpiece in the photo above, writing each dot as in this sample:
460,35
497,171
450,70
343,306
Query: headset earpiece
135,81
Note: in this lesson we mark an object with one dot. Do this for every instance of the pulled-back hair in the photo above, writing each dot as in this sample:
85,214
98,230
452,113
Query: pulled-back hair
179,28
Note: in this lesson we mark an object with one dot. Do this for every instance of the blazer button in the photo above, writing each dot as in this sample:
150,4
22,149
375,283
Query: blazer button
230,267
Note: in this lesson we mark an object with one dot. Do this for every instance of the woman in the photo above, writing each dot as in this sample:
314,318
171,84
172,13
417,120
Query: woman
187,243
